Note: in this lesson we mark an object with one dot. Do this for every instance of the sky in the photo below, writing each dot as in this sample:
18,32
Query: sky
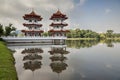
97,15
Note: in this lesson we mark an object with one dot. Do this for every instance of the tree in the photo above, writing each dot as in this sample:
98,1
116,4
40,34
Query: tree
8,29
45,34
77,33
1,30
109,33
102,36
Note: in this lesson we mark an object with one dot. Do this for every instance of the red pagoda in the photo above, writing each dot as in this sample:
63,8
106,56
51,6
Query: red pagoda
34,28
58,24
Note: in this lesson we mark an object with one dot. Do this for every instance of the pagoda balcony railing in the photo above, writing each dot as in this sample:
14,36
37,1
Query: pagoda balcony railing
35,29
32,23
59,22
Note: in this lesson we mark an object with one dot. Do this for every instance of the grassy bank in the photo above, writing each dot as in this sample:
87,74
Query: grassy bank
7,68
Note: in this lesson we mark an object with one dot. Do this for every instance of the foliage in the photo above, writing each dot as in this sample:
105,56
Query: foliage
81,43
9,29
77,33
82,34
109,33
1,30
45,34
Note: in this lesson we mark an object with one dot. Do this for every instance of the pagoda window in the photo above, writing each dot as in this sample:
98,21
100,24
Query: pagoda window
30,27
35,27
35,34
30,20
57,34
35,20
61,20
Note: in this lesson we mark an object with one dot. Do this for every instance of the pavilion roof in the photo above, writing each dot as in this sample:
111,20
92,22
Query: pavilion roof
32,15
58,14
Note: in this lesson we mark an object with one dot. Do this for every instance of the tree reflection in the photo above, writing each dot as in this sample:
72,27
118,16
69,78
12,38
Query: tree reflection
89,43
109,43
81,43
32,58
58,59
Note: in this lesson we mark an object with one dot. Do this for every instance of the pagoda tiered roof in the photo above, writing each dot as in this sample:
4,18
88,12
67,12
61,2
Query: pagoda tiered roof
58,67
29,25
58,24
58,30
32,57
57,15
58,58
33,65
32,15
40,31
32,50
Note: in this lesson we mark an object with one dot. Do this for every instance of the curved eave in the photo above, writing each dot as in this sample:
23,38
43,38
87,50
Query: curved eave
58,17
59,31
58,52
40,31
54,58
61,24
29,25
32,17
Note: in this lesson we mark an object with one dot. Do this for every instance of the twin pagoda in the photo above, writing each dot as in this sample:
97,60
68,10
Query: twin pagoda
34,27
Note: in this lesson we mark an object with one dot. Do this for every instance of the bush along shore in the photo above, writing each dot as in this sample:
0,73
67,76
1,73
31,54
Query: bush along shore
7,68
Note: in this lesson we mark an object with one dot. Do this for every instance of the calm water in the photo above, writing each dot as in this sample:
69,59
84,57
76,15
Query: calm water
77,60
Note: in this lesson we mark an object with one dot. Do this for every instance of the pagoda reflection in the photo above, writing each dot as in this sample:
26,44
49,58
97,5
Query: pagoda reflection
58,58
32,58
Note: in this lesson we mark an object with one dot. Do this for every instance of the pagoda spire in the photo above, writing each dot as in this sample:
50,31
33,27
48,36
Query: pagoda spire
32,9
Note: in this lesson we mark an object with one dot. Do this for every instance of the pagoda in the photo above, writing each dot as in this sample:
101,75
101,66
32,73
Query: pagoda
32,58
58,59
33,25
58,24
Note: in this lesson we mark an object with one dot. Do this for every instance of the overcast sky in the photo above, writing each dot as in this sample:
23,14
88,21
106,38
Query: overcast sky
97,15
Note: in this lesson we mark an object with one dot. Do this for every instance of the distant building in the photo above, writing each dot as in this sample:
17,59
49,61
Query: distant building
34,28
58,24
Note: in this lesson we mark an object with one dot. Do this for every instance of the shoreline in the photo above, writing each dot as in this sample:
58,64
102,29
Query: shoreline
92,39
7,63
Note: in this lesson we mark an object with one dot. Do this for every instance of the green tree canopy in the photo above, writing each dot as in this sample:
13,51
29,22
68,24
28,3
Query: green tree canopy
8,29
1,30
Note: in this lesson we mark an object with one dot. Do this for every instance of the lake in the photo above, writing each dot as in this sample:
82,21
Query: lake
75,60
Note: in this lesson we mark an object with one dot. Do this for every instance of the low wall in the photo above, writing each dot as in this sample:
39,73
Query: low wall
35,39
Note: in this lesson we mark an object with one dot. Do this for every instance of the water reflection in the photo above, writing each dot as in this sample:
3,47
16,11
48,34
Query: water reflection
81,43
64,62
32,58
109,43
58,59
89,43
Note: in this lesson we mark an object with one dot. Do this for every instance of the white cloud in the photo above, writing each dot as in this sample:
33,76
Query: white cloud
107,11
81,3
11,11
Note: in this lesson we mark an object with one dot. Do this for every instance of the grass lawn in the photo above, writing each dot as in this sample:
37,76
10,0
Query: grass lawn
7,68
